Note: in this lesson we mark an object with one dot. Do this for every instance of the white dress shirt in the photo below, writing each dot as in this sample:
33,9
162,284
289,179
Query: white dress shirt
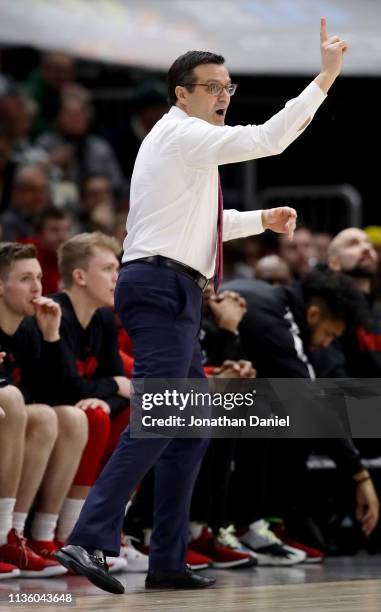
174,185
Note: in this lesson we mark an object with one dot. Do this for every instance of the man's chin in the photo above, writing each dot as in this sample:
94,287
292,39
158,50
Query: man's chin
218,119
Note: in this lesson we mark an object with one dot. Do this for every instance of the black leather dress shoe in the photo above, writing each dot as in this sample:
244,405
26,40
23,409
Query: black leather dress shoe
93,566
185,579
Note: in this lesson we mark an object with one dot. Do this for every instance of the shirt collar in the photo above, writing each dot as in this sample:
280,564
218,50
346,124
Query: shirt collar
175,111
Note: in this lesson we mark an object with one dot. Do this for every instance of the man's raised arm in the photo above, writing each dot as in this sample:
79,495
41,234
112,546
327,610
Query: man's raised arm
332,49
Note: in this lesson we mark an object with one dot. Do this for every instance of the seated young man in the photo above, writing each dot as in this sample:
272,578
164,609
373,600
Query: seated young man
281,331
221,347
40,447
97,383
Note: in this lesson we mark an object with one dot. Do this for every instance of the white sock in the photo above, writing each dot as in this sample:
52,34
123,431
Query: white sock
18,522
68,517
259,524
43,526
195,529
6,509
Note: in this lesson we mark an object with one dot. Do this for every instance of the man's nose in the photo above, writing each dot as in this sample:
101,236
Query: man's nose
224,96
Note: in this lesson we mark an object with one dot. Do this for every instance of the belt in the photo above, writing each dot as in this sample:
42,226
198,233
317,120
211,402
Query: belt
165,262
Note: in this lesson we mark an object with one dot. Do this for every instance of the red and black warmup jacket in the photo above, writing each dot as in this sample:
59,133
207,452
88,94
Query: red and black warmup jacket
91,356
35,366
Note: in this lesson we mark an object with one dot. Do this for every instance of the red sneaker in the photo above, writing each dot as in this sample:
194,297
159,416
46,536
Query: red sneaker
314,555
8,571
196,561
43,548
222,556
31,565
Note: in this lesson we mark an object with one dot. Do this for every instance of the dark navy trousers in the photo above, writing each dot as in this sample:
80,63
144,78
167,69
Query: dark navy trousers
161,311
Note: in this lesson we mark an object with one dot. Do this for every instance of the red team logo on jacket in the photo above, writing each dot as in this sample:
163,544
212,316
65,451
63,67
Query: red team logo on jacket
368,341
86,368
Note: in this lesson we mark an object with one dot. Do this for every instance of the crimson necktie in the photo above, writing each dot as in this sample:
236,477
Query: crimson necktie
218,270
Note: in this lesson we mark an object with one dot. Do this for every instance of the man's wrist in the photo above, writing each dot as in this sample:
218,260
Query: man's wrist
51,338
264,219
361,476
325,80
228,326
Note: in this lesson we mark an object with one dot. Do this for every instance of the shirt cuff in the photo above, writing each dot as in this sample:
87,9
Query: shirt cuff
251,222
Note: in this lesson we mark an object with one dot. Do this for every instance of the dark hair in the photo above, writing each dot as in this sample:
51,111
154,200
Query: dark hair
47,214
14,251
181,71
336,294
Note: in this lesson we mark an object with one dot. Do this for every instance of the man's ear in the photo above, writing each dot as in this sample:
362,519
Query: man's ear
181,94
79,277
334,264
313,314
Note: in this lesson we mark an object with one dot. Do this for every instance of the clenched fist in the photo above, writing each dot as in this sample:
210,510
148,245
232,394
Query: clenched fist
281,220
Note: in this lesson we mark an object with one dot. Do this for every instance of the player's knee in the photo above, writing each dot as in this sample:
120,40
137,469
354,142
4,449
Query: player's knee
42,423
72,424
12,402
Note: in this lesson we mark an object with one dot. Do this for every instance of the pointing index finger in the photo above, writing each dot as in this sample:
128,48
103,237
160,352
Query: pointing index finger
323,29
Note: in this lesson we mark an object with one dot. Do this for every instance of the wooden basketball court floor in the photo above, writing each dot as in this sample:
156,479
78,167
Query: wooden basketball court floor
345,584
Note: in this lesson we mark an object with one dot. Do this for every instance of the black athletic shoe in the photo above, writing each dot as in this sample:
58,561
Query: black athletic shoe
185,579
92,565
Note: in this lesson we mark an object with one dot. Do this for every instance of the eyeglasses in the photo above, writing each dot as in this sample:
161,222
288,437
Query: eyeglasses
215,89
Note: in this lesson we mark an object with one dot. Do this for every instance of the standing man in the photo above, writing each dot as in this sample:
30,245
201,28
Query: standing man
174,245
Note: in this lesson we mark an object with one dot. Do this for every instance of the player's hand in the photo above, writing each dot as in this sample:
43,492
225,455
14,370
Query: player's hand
91,403
332,49
229,369
234,296
48,317
228,309
246,369
367,506
235,369
124,384
281,220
